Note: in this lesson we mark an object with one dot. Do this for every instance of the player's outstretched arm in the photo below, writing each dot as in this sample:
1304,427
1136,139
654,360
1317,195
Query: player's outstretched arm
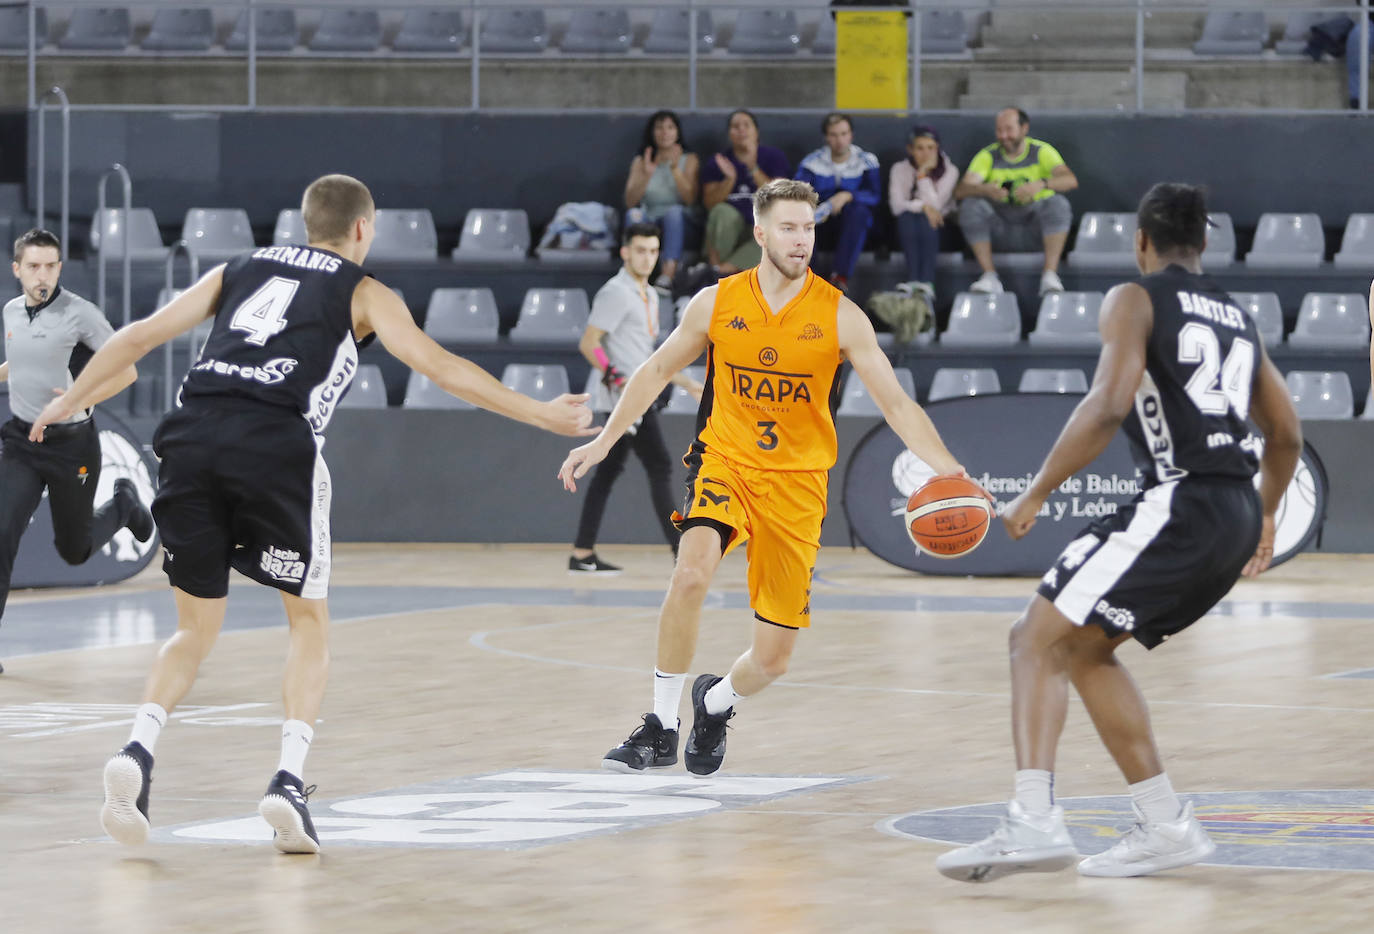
1272,409
110,369
377,308
684,345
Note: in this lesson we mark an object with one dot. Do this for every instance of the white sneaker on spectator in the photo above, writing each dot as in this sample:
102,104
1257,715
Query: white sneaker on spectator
1151,846
989,283
1022,843
1050,282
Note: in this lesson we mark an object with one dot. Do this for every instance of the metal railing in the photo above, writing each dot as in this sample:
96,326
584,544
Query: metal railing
41,211
100,221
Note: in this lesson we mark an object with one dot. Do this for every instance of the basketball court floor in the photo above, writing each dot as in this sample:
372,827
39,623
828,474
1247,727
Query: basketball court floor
474,690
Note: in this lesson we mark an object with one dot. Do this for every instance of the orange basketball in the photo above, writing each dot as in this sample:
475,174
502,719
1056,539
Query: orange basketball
948,517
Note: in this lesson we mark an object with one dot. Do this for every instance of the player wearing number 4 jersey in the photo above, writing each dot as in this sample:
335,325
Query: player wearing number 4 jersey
1181,369
775,338
243,482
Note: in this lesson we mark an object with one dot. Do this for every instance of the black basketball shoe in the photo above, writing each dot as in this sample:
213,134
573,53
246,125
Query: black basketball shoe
706,743
140,521
127,777
283,806
649,747
591,565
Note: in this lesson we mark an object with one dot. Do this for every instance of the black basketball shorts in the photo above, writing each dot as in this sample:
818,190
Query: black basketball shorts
242,485
1159,563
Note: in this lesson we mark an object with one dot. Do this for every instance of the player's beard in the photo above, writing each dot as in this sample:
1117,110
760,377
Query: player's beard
789,267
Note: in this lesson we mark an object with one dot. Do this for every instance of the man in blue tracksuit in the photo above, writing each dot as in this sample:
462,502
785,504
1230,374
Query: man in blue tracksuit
850,187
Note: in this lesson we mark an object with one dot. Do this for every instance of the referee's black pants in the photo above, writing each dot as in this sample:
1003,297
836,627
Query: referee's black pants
648,445
67,462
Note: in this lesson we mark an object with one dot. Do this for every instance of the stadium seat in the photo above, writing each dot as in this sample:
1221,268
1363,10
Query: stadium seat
404,235
422,393
181,30
276,28
680,401
1049,380
668,33
348,31
943,32
765,32
978,319
367,391
1367,414
1295,31
536,380
215,234
1105,241
826,36
1357,243
1264,307
1233,32
953,382
552,315
290,227
1287,240
14,27
1320,394
595,31
1330,320
517,30
490,234
456,314
1221,242
1067,319
430,29
108,233
856,401
98,29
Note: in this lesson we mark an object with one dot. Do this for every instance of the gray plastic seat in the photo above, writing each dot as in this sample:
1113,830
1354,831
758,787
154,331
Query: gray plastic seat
422,393
1233,32
290,227
680,401
1320,394
1367,413
431,29
1221,242
977,320
953,382
354,30
215,234
183,30
558,315
540,381
98,29
855,399
513,31
1287,240
367,391
1067,319
1264,307
668,33
109,230
826,36
404,235
1295,31
765,32
456,314
944,32
600,32
1332,320
275,27
1106,240
493,234
14,27
1050,380
1357,243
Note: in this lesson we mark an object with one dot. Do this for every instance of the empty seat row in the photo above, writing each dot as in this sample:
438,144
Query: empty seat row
1246,32
953,382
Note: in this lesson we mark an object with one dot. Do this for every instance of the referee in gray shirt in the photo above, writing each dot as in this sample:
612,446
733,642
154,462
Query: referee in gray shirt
42,328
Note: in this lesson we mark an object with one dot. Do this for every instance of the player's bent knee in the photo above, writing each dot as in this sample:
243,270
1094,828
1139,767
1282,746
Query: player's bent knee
692,578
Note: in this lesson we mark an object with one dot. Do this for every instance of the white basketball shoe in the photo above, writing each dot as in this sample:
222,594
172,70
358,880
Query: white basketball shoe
1151,846
1023,843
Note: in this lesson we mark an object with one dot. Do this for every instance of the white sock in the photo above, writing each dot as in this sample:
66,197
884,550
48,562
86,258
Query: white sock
1035,790
668,697
722,696
149,720
295,743
1156,799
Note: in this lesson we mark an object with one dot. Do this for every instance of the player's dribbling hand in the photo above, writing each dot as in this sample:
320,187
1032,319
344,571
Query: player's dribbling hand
578,462
1020,515
1264,552
569,415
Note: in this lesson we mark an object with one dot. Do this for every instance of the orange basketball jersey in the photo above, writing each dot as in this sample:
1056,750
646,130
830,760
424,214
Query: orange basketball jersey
771,379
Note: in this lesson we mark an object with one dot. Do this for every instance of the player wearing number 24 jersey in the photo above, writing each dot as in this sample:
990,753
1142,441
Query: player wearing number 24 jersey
774,339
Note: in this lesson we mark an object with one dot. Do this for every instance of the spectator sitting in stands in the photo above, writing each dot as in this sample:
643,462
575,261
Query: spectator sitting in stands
1336,37
847,181
920,192
1013,192
728,183
662,189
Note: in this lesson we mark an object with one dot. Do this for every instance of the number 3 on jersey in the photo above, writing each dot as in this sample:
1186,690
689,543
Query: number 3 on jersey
263,314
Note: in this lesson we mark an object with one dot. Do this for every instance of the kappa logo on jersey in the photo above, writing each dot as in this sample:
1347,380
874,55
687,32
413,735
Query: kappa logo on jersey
767,386
283,564
812,332
273,371
737,323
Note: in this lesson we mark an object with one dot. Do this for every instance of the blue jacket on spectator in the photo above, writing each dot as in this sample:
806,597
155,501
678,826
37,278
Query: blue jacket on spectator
858,174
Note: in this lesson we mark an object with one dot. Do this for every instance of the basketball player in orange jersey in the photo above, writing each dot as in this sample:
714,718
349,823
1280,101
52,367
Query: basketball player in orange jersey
775,338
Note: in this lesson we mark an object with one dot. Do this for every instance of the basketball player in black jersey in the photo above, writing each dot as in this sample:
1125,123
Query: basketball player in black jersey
242,482
1181,370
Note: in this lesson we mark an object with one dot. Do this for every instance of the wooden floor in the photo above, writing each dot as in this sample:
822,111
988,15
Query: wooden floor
891,709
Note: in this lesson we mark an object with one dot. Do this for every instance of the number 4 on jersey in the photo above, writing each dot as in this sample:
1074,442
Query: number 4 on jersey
263,314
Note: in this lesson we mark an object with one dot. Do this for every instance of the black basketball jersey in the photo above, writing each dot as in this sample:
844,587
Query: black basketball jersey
1194,398
283,332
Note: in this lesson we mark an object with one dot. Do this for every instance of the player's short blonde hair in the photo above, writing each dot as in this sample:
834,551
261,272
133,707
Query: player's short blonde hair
330,206
783,189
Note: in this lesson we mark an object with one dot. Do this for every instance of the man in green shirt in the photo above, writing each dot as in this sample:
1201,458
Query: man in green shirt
1013,195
